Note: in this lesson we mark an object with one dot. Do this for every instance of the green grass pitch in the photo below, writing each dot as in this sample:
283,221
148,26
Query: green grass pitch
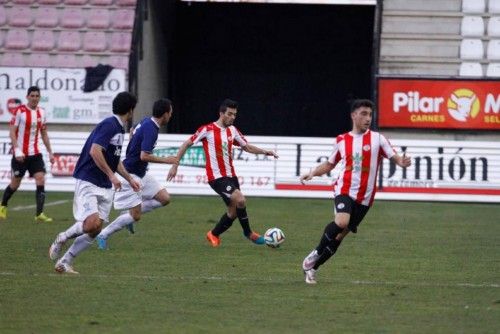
413,267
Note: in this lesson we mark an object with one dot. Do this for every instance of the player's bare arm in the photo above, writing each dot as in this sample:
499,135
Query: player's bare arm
46,142
173,170
401,161
148,157
257,150
100,161
321,169
18,153
136,186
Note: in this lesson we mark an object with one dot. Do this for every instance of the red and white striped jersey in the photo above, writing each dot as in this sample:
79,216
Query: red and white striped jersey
360,155
29,123
218,146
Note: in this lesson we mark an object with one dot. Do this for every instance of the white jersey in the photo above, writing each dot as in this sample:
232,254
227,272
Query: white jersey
218,146
361,155
29,123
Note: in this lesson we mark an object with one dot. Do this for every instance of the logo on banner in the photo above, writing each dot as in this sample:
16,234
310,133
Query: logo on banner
462,104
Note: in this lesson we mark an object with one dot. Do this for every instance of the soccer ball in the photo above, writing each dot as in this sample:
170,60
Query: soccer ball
274,237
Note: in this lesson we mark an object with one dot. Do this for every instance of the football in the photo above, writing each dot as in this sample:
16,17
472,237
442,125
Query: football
274,237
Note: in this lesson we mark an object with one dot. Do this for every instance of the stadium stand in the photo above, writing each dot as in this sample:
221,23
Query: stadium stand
474,6
471,49
472,26
66,33
493,52
494,26
494,6
493,70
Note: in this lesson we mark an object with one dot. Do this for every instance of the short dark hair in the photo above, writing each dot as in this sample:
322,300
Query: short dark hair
161,107
33,89
123,102
227,103
362,103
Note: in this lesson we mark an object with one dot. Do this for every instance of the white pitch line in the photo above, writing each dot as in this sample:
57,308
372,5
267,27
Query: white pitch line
25,207
240,279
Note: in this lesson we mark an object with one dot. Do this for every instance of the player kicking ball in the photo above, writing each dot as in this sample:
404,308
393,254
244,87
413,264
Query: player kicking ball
218,139
139,154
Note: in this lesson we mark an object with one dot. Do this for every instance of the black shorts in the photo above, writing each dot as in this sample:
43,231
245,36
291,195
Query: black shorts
225,186
32,163
357,211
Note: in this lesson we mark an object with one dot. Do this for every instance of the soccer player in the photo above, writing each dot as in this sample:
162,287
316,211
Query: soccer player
139,154
218,139
95,180
360,152
26,127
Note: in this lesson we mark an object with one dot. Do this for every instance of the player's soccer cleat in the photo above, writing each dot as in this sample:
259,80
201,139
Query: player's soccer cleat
64,268
130,228
256,238
3,212
102,243
212,239
55,248
310,260
310,276
42,218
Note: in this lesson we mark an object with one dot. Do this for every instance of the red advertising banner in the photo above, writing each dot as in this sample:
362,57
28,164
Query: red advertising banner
443,104
64,164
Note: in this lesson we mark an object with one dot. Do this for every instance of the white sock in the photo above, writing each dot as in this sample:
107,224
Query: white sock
149,205
119,223
74,231
80,244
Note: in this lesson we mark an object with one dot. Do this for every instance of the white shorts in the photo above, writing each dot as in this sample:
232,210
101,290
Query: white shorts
90,199
127,198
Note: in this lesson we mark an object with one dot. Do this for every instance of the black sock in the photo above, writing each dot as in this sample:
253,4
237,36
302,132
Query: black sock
7,195
331,231
40,199
243,218
327,253
223,225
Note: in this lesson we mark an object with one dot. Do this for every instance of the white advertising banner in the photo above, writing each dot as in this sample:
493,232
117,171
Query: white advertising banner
62,93
440,171
304,2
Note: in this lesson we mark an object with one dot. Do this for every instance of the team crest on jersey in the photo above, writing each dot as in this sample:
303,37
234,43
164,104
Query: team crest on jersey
366,148
340,206
117,139
228,188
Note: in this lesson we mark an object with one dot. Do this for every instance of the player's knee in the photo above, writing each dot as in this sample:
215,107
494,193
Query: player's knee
342,223
92,225
165,200
136,215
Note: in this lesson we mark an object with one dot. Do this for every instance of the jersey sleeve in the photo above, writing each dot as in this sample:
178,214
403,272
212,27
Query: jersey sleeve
387,151
103,134
148,141
199,134
335,156
16,118
239,139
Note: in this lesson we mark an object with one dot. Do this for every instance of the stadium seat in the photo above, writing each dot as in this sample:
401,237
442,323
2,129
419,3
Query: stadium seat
473,6
94,41
72,18
20,16
23,2
46,17
98,18
470,70
39,60
42,40
126,3
12,59
17,39
65,60
494,6
118,62
2,37
493,52
471,49
493,70
121,42
3,16
123,19
49,2
101,2
75,2
494,26
472,26
69,41
89,61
